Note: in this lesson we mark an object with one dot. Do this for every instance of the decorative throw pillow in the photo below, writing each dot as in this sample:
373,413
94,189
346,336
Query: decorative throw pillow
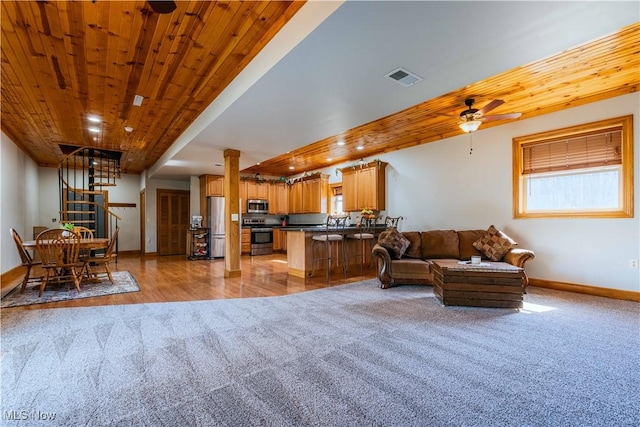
494,244
393,241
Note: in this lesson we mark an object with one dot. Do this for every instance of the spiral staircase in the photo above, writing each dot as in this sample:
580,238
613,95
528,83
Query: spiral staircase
85,175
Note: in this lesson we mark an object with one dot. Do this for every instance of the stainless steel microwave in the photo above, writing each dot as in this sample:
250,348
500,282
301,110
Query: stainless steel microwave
257,206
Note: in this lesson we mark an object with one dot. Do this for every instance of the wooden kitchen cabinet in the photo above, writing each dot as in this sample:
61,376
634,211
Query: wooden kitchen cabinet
245,242
214,185
278,198
242,192
295,197
349,191
309,195
257,190
364,187
279,240
210,186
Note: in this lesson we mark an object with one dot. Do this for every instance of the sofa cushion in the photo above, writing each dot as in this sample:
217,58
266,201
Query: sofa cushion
393,241
493,244
415,248
467,237
440,244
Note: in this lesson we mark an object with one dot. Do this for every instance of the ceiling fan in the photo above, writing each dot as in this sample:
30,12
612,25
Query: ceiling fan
471,118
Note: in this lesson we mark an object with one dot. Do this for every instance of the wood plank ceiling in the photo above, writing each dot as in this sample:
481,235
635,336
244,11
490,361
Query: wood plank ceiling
598,70
63,61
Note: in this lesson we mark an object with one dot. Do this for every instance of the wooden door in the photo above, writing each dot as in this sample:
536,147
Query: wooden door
173,221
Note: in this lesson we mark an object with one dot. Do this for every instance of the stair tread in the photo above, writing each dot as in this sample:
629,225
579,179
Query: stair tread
80,212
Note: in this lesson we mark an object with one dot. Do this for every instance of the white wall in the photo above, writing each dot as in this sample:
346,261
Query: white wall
440,186
19,201
127,190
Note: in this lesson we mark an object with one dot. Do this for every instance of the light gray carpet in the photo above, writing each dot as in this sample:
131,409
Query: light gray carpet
351,355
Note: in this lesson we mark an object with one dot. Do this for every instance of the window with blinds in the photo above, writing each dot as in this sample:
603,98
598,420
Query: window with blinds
578,152
585,170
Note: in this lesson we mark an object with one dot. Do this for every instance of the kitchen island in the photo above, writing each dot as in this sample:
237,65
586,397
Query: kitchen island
300,256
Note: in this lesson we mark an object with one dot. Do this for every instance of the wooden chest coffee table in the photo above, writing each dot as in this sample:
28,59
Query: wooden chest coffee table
490,284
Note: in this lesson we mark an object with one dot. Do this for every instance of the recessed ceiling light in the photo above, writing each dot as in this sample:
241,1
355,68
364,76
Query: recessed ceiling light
128,129
360,147
341,143
291,167
94,130
329,159
94,119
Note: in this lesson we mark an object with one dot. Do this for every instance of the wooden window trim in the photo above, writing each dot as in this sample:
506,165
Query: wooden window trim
626,210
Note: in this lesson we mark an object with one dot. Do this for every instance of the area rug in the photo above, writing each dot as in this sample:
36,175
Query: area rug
124,282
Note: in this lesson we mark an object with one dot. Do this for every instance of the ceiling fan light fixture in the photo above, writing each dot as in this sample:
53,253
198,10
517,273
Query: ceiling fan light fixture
470,126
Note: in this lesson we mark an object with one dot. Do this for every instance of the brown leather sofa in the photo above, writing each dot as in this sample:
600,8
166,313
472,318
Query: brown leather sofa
415,266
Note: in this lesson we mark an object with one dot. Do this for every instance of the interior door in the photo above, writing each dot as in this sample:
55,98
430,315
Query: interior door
173,221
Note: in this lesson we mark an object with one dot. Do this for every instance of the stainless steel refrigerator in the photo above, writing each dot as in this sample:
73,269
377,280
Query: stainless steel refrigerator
216,224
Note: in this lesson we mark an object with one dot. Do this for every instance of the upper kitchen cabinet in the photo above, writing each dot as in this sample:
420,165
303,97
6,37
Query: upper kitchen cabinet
257,190
295,197
309,195
278,198
210,186
213,185
363,186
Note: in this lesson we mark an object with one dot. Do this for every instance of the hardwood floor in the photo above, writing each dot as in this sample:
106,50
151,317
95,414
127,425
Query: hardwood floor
174,278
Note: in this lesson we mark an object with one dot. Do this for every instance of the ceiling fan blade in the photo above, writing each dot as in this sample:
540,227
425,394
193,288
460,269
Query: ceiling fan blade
502,116
490,106
162,6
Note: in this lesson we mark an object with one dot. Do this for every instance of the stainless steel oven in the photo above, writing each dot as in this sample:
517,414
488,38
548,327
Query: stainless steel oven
261,236
257,206
261,240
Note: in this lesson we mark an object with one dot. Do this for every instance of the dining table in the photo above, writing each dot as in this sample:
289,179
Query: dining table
85,243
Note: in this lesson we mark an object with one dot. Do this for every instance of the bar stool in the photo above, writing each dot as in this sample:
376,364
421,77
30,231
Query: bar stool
392,222
366,234
332,239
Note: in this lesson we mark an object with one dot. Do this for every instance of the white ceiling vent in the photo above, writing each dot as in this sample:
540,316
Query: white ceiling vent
404,77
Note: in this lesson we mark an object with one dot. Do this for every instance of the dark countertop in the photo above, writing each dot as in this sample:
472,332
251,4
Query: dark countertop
321,228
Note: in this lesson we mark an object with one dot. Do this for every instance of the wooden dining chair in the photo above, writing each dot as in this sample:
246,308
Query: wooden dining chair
26,259
84,233
102,259
59,256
